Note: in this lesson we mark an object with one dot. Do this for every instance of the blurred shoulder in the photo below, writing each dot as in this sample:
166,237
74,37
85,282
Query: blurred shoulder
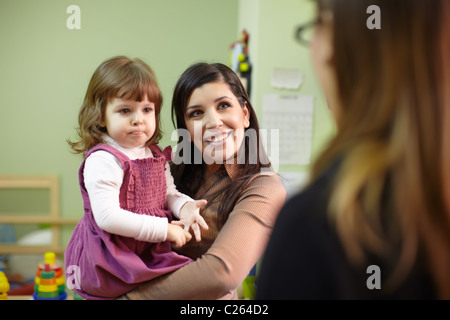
266,182
262,198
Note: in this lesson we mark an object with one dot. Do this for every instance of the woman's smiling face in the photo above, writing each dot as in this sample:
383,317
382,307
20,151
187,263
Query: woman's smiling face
216,121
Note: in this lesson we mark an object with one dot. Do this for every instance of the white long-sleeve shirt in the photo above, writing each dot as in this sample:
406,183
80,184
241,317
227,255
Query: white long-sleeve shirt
103,177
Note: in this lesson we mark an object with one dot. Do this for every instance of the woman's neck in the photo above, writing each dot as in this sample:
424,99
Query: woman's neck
211,169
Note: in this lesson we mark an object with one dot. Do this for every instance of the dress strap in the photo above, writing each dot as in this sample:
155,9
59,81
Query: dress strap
105,147
157,152
123,159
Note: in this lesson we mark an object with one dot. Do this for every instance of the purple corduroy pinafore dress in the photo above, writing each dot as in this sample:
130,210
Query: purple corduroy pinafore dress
111,265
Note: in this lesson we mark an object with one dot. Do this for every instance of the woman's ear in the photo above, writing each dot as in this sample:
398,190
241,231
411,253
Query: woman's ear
246,116
326,38
323,56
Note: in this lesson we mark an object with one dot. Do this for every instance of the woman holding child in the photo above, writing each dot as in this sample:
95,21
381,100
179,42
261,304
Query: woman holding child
244,195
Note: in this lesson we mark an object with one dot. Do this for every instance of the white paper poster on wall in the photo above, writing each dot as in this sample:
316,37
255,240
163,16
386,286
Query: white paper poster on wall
294,182
286,78
292,116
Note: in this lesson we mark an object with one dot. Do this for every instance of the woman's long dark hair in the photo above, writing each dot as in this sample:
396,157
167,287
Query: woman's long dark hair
189,176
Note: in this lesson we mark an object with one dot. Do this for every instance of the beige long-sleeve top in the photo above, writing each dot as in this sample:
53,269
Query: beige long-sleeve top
223,259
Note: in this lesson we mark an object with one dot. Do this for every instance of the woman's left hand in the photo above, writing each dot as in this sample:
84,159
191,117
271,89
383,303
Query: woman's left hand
190,217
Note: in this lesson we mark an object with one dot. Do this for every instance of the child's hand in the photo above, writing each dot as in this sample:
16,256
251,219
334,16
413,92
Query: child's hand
177,235
190,217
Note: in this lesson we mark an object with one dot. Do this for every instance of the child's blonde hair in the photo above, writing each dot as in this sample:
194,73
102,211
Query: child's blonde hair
118,77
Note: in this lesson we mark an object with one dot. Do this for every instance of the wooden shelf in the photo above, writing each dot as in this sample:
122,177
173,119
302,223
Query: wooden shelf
9,219
50,182
21,249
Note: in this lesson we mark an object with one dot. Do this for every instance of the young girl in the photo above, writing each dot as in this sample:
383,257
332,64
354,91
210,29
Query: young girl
244,198
125,235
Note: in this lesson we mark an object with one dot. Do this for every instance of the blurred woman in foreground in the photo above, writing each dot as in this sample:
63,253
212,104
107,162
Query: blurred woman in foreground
373,222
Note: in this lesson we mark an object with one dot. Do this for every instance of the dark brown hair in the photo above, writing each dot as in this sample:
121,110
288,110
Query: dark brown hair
118,77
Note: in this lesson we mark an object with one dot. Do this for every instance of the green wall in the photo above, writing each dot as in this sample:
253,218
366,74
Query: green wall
272,26
45,67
